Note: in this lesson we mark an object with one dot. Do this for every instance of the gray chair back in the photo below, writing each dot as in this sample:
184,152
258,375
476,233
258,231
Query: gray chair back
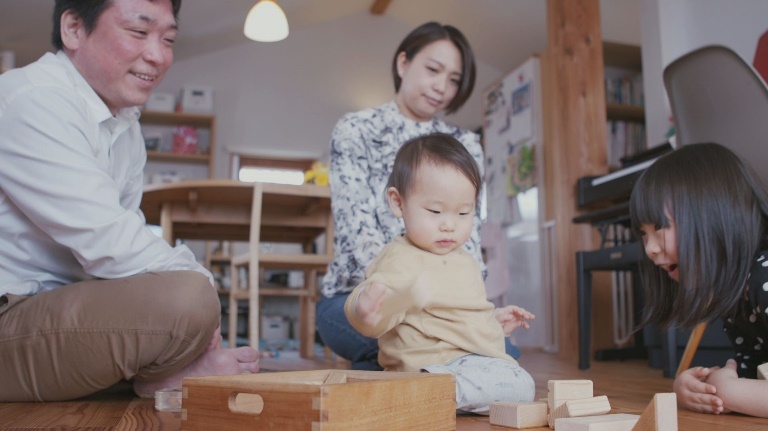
717,97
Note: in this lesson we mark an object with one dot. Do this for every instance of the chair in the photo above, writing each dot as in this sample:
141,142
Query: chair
717,97
283,213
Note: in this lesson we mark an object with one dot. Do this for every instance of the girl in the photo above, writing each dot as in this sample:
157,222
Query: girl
701,213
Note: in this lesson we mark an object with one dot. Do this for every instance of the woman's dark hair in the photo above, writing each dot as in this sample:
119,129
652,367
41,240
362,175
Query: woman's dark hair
439,149
719,207
424,35
89,11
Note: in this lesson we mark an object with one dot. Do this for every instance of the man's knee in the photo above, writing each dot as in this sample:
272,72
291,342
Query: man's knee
193,298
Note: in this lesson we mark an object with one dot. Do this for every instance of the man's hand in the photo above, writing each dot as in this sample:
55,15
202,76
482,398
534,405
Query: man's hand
695,393
512,317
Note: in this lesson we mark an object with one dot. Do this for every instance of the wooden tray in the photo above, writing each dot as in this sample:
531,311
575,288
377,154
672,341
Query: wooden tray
321,400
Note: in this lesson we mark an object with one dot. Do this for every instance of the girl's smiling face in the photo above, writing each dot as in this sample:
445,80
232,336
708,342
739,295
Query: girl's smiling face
660,245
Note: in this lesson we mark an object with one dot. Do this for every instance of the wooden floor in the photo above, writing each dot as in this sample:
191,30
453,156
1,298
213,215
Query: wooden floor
629,386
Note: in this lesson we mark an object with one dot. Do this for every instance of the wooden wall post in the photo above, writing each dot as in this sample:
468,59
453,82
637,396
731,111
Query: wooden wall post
575,141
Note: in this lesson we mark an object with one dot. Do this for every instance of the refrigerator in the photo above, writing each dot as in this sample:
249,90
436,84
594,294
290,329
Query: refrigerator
516,239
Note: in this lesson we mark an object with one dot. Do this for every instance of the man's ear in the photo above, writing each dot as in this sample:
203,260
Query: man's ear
395,202
72,30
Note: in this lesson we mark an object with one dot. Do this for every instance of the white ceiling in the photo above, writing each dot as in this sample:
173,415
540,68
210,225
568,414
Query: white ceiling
516,28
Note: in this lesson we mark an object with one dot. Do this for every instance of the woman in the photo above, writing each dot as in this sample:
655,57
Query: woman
433,71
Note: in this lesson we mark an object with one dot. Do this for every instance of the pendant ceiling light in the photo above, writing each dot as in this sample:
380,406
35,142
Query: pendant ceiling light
266,22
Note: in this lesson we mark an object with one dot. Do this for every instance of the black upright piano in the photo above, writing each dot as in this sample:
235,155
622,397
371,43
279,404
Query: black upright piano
606,198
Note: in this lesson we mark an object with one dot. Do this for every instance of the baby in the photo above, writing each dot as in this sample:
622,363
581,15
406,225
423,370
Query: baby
424,297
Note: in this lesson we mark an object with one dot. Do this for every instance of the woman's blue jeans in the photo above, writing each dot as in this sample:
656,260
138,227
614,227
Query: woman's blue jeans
342,338
345,341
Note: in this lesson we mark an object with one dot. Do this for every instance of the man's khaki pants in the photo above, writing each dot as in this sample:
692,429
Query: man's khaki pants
78,339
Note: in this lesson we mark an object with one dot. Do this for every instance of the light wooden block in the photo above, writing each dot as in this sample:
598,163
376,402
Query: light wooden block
584,407
519,415
660,415
588,406
301,400
617,422
762,371
561,391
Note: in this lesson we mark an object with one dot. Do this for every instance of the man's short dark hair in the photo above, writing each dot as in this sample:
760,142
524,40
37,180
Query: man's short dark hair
89,11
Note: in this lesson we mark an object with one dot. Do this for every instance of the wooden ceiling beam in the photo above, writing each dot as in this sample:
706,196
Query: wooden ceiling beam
379,7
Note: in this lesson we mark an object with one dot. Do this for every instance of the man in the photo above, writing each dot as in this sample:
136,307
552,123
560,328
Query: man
88,295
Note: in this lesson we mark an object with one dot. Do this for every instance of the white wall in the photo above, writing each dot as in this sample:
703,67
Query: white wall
267,97
672,28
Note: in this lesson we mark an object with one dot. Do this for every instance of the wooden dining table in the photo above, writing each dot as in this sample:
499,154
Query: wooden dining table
220,210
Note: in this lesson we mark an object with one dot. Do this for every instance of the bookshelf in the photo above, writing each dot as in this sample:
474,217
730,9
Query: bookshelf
161,125
625,112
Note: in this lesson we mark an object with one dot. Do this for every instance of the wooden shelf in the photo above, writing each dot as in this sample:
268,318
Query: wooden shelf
172,119
622,56
218,258
177,119
617,111
202,159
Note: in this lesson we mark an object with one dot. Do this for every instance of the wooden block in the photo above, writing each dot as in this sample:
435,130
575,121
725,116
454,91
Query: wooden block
583,407
335,377
588,406
660,415
617,422
301,400
561,391
519,415
762,371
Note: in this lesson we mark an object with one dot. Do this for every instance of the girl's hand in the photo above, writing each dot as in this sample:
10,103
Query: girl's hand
512,317
724,379
695,393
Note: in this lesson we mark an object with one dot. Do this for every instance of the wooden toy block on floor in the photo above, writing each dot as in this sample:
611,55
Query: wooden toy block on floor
561,391
519,415
584,407
617,422
302,400
660,415
762,371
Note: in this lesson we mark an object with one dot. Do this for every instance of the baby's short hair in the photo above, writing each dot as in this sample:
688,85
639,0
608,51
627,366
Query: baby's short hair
439,149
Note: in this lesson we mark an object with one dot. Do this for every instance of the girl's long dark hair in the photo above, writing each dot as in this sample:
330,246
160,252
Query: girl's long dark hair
719,208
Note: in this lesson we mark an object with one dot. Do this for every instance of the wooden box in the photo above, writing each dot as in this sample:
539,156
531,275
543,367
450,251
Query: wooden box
321,400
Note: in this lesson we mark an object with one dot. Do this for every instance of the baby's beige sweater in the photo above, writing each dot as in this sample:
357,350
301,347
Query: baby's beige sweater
457,319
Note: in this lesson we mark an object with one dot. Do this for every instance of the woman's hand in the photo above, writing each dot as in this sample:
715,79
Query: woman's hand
695,393
512,317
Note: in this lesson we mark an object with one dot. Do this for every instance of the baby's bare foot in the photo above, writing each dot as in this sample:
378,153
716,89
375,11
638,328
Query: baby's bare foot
217,362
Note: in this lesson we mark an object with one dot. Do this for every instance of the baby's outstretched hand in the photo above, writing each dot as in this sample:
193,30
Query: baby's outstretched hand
369,303
512,317
694,393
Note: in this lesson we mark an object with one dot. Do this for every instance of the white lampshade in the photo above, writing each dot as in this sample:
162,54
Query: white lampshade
266,22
